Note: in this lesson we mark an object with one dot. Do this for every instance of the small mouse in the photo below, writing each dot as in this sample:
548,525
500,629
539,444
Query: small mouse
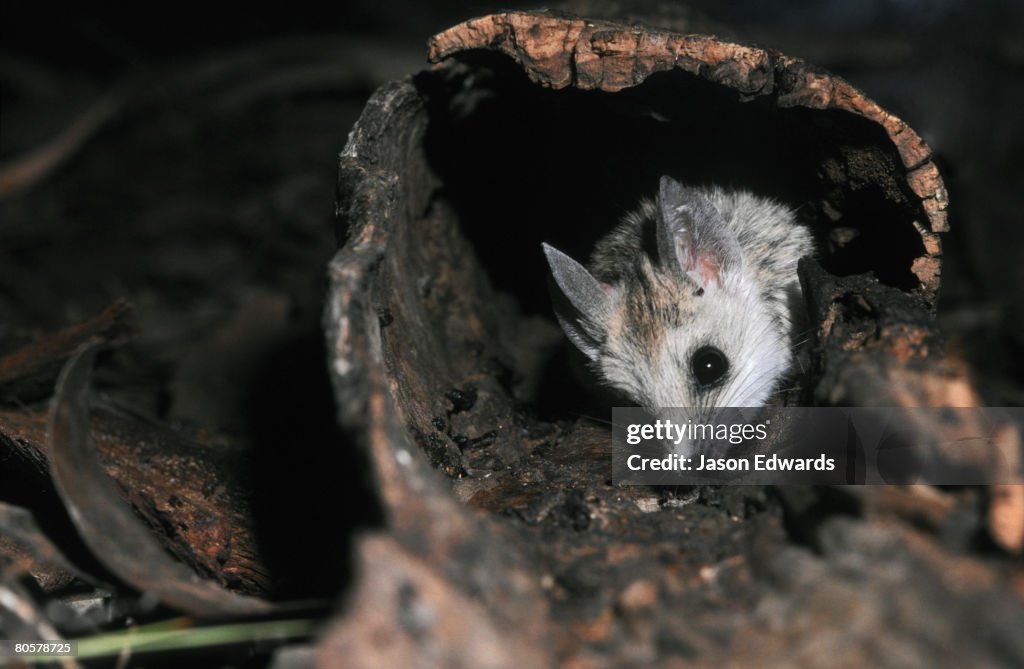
688,301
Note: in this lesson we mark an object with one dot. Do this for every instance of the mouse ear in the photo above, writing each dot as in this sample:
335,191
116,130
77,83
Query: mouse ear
693,238
583,305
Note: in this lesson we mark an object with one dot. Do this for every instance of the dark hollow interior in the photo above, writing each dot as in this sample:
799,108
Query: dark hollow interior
512,164
523,164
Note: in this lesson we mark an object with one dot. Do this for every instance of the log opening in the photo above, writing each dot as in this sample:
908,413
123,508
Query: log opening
459,173
521,164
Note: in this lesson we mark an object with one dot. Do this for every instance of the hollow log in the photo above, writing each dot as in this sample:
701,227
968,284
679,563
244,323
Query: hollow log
537,126
452,179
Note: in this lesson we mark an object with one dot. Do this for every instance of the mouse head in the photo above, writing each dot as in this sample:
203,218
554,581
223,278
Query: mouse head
687,328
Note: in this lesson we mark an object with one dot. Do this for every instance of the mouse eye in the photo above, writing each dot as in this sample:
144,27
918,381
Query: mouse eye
709,365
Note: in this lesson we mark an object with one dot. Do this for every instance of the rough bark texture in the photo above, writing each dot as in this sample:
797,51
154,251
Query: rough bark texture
193,497
443,358
560,52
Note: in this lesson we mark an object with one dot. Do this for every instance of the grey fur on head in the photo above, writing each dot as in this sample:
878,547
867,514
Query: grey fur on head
687,302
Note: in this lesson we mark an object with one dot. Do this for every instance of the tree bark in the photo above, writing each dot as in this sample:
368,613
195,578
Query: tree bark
537,126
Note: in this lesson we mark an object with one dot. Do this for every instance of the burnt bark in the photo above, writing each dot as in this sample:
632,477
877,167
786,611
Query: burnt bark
544,127
193,498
